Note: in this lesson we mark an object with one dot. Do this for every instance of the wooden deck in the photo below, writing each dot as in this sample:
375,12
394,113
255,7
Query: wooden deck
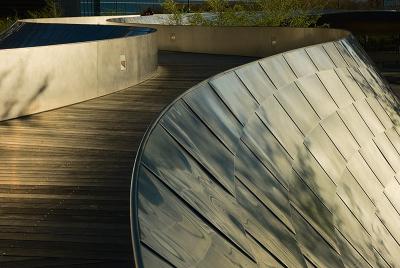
65,174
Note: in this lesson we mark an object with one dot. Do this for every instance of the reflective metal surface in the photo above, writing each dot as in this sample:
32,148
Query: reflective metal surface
24,34
290,161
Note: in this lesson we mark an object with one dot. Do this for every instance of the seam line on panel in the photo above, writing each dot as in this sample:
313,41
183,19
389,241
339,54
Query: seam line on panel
297,86
289,115
222,99
202,217
384,157
355,107
248,90
351,173
327,91
262,68
274,135
201,165
336,66
264,205
348,91
149,248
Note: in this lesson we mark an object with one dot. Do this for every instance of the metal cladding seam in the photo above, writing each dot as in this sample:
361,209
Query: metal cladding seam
289,161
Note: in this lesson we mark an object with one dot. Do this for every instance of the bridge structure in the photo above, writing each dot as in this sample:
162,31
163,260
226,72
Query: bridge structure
229,147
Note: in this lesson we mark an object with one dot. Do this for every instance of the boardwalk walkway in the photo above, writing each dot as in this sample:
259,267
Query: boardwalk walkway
65,174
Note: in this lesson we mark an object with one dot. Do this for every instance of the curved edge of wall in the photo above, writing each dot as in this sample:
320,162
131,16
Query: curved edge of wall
349,57
242,41
99,20
39,79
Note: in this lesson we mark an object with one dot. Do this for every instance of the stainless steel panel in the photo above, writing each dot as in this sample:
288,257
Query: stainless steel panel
365,177
276,164
377,162
369,117
340,135
256,80
346,54
317,95
211,110
268,149
350,256
380,113
195,137
313,246
278,122
356,125
312,209
384,84
264,258
389,217
315,177
335,56
380,261
188,180
309,263
392,191
388,151
371,81
352,44
351,193
300,62
165,220
326,153
394,138
235,95
356,55
351,85
298,108
336,88
359,78
268,231
256,177
152,260
320,58
390,105
385,244
278,70
353,231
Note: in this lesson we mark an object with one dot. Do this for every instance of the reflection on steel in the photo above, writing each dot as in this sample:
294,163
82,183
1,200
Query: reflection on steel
39,69
26,34
289,161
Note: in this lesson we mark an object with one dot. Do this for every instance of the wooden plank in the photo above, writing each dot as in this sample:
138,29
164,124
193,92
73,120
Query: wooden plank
65,174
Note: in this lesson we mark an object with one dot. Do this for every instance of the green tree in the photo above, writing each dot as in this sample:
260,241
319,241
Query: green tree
175,12
293,13
50,10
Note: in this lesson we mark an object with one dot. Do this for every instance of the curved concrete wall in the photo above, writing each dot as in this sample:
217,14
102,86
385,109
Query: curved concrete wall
36,79
243,41
289,161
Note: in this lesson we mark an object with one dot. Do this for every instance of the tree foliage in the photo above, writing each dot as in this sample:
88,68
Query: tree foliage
49,10
292,13
175,12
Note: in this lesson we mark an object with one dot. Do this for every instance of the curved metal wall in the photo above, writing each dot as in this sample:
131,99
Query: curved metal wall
242,41
289,161
39,69
29,34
